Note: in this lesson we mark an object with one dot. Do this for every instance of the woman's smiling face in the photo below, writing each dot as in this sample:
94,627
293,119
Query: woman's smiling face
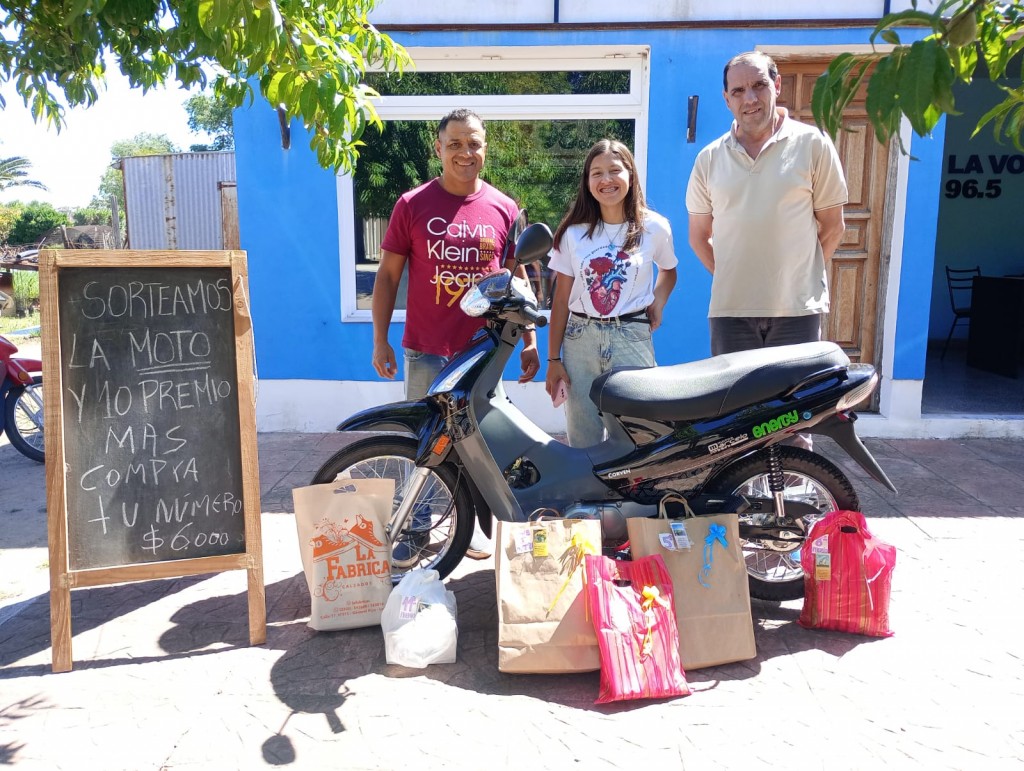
608,181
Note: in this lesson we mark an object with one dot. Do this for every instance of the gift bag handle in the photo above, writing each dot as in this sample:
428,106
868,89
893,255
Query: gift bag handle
537,515
673,498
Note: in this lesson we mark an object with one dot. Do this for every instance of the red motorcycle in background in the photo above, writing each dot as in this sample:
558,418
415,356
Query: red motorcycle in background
21,399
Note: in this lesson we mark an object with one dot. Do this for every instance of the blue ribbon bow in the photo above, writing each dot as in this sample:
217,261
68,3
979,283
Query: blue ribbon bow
716,532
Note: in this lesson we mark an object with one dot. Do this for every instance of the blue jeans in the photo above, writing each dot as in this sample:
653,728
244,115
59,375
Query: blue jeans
590,348
420,371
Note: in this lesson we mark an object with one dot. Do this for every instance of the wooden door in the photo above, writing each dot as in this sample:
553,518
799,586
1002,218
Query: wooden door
855,285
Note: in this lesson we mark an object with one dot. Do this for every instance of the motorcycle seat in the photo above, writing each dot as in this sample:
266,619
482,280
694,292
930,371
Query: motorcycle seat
712,387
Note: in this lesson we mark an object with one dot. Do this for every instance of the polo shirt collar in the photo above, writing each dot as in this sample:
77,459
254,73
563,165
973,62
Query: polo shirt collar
785,131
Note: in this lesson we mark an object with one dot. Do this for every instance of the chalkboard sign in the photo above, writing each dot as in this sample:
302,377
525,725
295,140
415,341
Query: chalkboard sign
150,421
151,438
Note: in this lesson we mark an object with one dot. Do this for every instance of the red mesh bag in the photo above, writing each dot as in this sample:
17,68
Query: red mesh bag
632,607
847,576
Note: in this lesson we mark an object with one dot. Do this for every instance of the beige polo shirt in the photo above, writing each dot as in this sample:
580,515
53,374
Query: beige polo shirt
768,260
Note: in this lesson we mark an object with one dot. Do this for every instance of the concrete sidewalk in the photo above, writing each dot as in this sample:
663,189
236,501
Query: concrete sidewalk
164,678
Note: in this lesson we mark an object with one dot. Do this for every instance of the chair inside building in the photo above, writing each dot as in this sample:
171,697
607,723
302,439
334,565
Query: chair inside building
960,282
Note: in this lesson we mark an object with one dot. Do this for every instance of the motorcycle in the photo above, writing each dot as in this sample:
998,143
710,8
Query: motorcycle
21,396
711,431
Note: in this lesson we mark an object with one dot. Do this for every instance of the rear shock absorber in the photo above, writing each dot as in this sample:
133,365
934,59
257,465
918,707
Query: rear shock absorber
777,481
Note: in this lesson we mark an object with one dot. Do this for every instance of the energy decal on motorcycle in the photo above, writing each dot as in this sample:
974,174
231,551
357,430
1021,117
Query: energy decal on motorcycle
785,420
605,277
725,444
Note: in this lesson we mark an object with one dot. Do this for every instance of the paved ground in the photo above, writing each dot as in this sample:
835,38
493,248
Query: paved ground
164,678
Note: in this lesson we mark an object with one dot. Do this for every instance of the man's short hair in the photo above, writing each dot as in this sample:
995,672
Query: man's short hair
750,57
461,115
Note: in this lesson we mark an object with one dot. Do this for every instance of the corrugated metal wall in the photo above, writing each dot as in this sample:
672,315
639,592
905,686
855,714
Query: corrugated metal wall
173,201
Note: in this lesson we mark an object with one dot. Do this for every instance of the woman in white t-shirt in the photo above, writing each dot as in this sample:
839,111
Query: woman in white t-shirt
606,300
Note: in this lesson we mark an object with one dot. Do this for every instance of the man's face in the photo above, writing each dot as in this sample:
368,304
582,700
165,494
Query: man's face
462,147
751,96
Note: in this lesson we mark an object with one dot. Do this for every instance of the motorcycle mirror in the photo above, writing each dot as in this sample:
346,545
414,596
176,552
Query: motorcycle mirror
534,244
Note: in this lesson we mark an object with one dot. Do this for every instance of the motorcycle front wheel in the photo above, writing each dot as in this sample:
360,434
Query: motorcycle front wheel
24,419
773,567
437,533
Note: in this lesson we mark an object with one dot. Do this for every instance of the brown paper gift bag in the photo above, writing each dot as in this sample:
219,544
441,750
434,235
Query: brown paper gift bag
543,621
344,550
712,606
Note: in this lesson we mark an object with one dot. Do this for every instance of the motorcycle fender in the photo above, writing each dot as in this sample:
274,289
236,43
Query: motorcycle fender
400,417
840,429
20,370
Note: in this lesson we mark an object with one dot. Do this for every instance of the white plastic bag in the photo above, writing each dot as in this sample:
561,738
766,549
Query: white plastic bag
419,621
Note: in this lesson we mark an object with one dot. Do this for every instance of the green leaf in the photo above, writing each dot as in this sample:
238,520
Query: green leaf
76,9
945,77
917,83
206,12
308,100
881,103
908,18
829,92
890,36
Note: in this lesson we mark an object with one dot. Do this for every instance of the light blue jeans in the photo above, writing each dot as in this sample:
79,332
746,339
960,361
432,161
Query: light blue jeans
420,371
590,348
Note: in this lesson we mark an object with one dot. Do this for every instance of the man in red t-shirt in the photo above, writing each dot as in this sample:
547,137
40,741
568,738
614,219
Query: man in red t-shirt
450,230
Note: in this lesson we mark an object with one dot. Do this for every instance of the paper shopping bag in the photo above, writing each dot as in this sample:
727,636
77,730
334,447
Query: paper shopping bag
344,550
631,604
542,616
847,576
712,596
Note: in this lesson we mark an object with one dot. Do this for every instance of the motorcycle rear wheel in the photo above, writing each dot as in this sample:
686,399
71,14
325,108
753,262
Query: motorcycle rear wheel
24,419
809,478
438,538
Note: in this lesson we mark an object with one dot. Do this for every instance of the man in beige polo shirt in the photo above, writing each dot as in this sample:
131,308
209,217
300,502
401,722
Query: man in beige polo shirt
766,213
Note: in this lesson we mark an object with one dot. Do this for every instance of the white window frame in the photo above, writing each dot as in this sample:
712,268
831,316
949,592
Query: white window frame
630,106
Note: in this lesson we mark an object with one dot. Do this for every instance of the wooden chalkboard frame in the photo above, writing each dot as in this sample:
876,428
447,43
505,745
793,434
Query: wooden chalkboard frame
62,578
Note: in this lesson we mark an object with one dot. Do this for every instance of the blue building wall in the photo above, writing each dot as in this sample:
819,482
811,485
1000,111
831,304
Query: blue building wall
288,207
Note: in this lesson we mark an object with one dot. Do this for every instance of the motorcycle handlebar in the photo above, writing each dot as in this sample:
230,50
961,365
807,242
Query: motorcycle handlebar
535,317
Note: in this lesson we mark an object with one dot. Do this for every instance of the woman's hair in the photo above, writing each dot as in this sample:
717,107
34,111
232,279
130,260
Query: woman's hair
586,210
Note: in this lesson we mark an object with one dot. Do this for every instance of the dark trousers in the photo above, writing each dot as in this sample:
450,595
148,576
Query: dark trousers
744,333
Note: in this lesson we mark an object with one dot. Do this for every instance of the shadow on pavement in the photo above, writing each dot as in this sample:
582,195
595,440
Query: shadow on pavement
314,674
92,607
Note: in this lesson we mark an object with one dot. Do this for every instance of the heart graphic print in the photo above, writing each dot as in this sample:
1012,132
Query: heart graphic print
605,277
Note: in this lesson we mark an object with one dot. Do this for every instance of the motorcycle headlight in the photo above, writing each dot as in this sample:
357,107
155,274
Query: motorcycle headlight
473,302
477,300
